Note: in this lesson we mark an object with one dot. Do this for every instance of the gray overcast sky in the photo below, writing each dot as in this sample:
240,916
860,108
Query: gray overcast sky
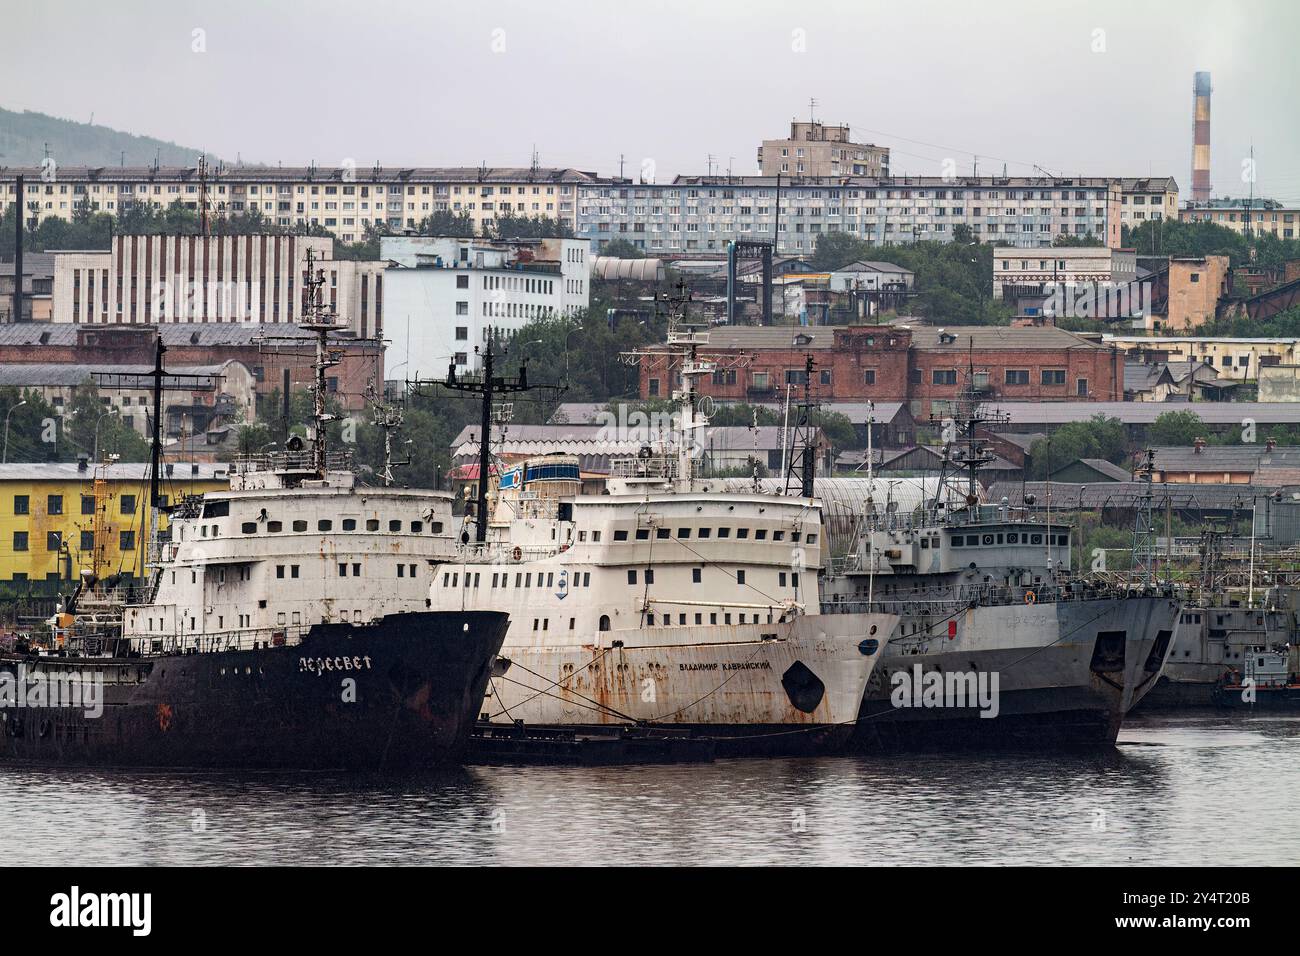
671,82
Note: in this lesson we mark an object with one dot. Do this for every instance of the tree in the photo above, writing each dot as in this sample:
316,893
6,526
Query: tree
1064,241
444,223
1176,428
621,249
94,424
529,227
1098,437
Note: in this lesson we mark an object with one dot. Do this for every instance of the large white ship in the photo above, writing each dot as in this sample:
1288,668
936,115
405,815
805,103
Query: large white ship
665,601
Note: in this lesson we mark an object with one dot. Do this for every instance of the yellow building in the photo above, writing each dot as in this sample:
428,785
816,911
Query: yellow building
58,518
1242,215
1236,359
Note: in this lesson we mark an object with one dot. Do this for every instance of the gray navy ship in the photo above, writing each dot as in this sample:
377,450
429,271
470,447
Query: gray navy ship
998,643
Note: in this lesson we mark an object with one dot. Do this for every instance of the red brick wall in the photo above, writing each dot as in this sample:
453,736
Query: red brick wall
902,372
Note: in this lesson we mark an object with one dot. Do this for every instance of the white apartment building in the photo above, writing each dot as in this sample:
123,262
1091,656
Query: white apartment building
343,200
247,278
1028,271
442,294
700,214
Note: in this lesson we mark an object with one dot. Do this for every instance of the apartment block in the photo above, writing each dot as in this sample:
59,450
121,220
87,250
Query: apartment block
816,150
701,214
442,295
1154,198
1018,273
1256,217
343,200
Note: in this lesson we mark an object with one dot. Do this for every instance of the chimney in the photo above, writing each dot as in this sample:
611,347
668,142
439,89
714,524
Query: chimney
1201,138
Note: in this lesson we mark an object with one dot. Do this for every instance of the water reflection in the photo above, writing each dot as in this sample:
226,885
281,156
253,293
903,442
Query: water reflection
1189,789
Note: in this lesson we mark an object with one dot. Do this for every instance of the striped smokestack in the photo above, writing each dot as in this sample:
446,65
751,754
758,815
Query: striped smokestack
1201,138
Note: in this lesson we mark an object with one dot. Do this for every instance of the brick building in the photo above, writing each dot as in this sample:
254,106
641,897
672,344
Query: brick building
923,366
285,347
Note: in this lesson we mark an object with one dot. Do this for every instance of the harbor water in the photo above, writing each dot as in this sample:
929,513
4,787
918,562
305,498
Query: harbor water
1180,789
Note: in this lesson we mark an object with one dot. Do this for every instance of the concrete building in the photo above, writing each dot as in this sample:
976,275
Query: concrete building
814,149
38,288
344,200
1020,272
57,518
442,294
1246,216
269,353
149,278
1153,198
1234,359
923,366
697,215
225,393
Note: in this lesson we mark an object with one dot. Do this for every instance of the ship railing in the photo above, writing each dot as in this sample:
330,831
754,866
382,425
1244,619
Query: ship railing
290,461
505,554
656,466
246,639
970,596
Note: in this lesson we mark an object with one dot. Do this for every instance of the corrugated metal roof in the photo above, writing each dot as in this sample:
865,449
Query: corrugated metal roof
41,374
269,174
955,338
179,334
1125,494
122,471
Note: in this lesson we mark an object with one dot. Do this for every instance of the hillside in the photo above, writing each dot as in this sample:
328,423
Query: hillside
24,136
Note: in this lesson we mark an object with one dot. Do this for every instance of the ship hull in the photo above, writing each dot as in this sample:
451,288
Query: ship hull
759,689
398,694
1066,675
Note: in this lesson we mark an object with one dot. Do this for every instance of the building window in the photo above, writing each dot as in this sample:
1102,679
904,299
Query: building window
53,540
1053,376
20,540
944,376
869,377
1017,376
54,505
126,541
128,504
21,505
87,504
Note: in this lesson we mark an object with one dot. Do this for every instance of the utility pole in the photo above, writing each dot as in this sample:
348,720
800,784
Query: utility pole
20,216
487,386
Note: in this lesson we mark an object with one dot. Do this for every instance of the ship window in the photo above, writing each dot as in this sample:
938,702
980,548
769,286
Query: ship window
649,576
550,579
727,617
417,526
595,536
279,570
988,539
343,570
631,576
211,509
642,534
1013,538
356,570
705,532
740,577
742,532
699,618
349,524
780,579
683,532
925,544
293,570
203,531
778,535
661,533
395,525
401,573
324,525
604,622
760,534
572,621
300,526
713,617
999,539
435,527
274,527
620,535
582,536
958,541
372,524
795,536
1035,539
586,579
297,619
279,617
724,532
696,574
528,580
811,539
535,623
681,618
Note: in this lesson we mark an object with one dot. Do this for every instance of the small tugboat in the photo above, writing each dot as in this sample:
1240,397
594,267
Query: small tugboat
1265,680
281,624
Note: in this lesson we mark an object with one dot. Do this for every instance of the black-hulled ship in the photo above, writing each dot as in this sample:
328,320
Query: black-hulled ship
280,624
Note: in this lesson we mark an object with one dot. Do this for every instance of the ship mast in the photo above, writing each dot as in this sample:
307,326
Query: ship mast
388,418
322,321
